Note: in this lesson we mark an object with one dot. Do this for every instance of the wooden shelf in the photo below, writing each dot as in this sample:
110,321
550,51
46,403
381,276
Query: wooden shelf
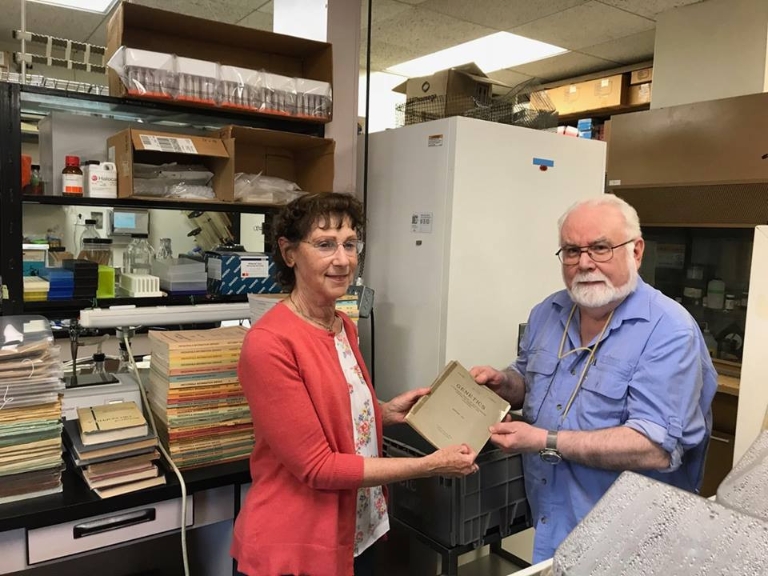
603,113
728,385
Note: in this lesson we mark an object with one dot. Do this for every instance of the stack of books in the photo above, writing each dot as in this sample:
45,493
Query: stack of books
30,410
202,416
113,448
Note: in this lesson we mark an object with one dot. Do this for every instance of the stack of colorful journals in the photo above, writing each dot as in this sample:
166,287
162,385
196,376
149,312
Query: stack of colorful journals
201,414
113,448
30,409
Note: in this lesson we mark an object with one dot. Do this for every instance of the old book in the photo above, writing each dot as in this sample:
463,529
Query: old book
457,410
215,338
130,487
110,422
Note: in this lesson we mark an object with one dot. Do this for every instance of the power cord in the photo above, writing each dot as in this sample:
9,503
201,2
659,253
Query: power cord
135,368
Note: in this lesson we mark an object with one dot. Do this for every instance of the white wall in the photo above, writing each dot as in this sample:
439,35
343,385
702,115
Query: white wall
715,49
382,114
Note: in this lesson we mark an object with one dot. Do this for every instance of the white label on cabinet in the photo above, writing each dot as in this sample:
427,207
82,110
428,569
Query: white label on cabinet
421,222
435,140
614,182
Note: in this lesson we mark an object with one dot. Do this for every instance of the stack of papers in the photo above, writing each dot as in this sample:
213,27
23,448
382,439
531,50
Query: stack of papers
113,449
201,414
30,409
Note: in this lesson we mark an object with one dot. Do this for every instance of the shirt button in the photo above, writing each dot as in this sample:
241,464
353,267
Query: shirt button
573,372
543,519
559,407
544,481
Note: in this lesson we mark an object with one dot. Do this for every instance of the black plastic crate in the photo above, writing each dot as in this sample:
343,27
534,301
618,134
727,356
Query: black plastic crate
459,511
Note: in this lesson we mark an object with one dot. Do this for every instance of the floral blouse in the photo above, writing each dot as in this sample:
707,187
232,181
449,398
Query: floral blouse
372,520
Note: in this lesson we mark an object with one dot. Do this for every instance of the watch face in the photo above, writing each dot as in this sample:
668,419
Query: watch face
550,456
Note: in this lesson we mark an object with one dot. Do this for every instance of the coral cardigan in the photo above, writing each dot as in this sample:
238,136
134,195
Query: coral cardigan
299,515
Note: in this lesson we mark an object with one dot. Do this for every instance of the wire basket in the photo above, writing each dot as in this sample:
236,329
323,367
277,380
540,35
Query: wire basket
521,106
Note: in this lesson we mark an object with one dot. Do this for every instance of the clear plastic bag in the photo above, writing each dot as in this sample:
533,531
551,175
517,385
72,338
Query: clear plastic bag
197,80
146,73
256,188
313,99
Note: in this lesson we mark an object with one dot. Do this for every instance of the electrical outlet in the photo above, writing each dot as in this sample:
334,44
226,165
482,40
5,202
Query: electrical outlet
364,299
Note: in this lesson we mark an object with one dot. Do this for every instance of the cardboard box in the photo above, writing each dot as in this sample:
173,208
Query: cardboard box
453,91
240,273
641,76
306,160
609,92
145,28
639,94
151,147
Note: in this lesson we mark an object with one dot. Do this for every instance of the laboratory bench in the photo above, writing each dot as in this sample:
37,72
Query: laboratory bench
49,529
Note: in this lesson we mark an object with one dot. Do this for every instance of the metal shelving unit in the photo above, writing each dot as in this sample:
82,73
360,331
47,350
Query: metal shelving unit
22,101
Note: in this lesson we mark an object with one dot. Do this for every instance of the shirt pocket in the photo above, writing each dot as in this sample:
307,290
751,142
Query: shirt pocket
538,378
602,400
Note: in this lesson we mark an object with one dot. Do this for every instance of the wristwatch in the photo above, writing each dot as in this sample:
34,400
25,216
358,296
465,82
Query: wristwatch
550,454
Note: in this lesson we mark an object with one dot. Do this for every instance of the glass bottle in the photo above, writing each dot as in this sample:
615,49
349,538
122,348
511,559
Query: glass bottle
127,254
72,177
89,232
141,255
165,252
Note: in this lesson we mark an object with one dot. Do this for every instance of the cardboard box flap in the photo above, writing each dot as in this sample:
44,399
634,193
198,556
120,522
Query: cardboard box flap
471,70
178,143
272,138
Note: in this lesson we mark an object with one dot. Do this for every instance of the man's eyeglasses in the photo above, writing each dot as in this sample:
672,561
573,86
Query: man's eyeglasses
599,252
329,247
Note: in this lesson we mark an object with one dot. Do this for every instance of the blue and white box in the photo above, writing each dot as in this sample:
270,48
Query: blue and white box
240,273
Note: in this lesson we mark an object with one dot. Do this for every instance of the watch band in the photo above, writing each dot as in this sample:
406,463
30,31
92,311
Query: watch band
552,440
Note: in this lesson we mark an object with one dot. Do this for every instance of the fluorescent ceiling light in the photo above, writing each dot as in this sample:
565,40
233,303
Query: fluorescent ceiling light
98,6
494,52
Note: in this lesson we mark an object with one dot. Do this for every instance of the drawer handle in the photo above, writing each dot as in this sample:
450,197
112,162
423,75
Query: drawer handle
113,523
723,440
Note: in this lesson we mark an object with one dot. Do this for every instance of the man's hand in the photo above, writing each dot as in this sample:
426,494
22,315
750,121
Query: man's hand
394,411
518,437
488,376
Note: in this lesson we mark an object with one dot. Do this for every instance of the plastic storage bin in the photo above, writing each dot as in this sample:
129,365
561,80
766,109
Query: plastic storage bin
459,511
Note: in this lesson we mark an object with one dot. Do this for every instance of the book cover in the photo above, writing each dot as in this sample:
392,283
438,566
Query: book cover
174,340
457,410
106,417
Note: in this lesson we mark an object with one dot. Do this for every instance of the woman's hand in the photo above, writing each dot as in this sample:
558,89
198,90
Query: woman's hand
394,411
454,461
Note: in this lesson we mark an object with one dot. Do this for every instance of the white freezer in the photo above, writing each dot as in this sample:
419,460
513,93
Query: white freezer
461,239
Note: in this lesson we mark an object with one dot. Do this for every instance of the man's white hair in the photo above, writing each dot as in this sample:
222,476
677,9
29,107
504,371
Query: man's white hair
631,219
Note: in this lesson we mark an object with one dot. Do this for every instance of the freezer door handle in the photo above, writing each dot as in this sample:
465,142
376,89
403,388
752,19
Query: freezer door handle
113,523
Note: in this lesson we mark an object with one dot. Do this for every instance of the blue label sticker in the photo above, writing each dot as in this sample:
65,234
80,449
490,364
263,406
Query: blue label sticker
543,162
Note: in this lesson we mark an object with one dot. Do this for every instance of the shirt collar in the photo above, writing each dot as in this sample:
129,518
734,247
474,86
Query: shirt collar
636,306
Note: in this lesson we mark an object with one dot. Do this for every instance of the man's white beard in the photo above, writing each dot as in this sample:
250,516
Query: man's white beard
599,295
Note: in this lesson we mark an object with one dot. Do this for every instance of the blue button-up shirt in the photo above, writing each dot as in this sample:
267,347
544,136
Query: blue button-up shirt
651,373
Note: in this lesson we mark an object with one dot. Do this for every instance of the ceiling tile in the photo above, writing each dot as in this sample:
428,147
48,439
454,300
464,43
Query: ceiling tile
233,11
47,19
648,8
258,20
564,66
384,55
424,31
499,14
627,50
383,10
585,25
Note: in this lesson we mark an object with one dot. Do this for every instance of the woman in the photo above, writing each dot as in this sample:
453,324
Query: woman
316,504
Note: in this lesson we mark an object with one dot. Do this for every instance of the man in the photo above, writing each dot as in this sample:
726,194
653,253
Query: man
612,375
